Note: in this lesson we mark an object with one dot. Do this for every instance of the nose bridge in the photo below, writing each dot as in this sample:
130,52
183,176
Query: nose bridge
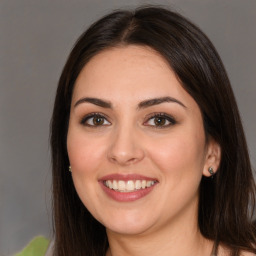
125,147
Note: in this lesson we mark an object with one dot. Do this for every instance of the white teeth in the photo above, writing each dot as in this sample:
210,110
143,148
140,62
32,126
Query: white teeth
138,184
149,184
121,185
143,184
115,187
109,184
128,186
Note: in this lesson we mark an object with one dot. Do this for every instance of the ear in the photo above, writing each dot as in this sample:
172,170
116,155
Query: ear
212,157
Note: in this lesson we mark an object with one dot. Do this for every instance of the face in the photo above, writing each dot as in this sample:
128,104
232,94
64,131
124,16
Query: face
136,142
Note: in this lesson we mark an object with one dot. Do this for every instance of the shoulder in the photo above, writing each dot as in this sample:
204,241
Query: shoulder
49,251
225,251
247,254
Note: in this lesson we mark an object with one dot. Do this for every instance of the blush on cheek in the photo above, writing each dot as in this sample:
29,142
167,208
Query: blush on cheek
84,155
178,156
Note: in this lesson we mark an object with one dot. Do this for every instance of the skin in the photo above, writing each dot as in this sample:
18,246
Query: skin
128,141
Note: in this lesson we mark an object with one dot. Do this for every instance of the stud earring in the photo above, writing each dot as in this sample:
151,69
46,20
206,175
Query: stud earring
211,171
69,168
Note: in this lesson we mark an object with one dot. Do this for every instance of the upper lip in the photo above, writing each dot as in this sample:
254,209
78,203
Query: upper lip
126,177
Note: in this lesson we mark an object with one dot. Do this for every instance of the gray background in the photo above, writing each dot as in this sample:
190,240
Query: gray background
36,37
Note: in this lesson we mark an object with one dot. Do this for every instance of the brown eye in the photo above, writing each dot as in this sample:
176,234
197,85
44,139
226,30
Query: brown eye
98,120
95,120
160,121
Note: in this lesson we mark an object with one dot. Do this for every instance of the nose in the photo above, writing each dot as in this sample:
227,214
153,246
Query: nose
125,147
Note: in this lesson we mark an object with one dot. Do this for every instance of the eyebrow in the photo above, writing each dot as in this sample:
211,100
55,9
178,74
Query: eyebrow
156,101
141,105
95,101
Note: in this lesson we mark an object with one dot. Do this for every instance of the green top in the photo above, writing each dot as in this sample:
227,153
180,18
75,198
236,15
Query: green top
37,247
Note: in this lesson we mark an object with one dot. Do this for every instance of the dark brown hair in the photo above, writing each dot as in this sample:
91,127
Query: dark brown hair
224,200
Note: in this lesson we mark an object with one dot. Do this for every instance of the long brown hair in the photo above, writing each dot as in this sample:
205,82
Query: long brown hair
225,200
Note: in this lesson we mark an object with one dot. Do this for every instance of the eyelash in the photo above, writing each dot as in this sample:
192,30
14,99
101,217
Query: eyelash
164,116
93,115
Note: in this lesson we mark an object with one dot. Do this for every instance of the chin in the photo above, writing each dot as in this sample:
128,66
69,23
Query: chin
128,225
128,229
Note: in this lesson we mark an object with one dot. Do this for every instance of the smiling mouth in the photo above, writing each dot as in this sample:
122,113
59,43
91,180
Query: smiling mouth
129,185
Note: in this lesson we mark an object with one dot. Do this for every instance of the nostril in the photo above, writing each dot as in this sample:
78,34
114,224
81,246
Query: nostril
125,159
122,160
125,149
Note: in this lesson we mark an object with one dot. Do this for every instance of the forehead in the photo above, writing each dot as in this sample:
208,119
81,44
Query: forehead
128,72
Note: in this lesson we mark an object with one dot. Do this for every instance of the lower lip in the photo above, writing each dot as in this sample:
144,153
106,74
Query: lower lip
126,196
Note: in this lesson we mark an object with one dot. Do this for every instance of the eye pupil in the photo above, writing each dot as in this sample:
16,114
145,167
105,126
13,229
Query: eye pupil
159,121
97,120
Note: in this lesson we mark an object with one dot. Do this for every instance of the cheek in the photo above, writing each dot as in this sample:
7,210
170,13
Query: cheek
180,163
179,154
85,153
85,157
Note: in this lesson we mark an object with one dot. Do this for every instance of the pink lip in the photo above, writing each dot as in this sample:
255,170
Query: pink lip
125,196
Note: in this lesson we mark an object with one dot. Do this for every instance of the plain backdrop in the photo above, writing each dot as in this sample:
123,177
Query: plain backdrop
35,38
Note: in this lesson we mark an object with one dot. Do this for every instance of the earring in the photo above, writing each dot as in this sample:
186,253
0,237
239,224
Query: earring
69,168
211,171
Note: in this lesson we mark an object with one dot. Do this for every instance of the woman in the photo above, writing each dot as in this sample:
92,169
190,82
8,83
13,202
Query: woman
146,122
